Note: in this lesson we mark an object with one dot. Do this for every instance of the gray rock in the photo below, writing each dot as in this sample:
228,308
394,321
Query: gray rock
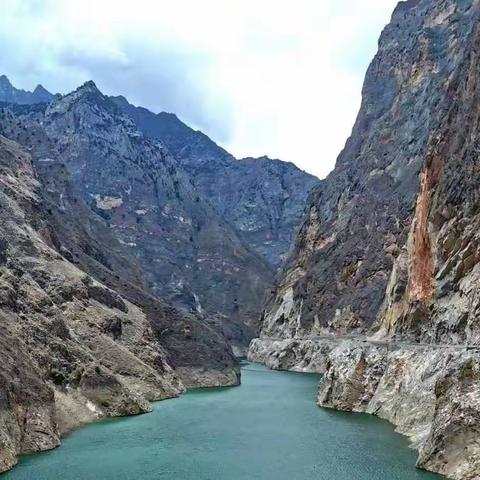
389,246
262,199
429,393
189,256
10,94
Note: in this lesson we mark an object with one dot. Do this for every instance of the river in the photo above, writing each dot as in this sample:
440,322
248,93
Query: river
269,428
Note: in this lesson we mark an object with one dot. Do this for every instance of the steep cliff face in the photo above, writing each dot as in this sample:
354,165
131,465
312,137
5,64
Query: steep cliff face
84,334
404,170
262,199
389,246
439,264
71,348
191,257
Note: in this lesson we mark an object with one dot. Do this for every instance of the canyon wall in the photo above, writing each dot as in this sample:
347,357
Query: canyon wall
72,349
121,281
380,292
263,199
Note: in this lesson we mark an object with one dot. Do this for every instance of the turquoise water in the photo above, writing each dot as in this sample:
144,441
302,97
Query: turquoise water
269,429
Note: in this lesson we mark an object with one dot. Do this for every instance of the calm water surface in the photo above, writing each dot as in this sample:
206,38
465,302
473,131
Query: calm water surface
268,429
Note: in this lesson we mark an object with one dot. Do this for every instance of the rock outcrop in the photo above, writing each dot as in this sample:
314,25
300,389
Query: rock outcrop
429,392
190,256
388,250
263,199
309,355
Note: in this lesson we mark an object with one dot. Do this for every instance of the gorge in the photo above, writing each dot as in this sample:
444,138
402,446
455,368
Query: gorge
139,260
121,281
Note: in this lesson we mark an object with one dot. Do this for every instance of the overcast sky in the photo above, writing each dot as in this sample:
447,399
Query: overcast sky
261,77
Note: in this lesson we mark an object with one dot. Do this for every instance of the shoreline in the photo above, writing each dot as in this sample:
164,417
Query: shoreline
419,389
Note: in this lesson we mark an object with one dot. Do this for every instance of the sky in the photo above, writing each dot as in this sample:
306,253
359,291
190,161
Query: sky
280,78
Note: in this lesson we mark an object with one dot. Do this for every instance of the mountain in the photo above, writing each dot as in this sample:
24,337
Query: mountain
208,232
10,94
380,291
73,349
262,199
122,280
101,231
191,257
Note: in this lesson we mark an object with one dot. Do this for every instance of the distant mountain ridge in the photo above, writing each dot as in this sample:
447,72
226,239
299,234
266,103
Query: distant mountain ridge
10,94
211,231
262,198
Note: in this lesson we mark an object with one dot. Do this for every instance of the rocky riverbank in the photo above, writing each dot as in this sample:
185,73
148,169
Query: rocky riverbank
294,354
78,344
430,393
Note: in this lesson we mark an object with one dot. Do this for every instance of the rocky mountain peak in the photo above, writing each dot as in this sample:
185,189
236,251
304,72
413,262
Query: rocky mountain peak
41,93
88,86
10,94
6,89
88,90
4,82
192,256
90,103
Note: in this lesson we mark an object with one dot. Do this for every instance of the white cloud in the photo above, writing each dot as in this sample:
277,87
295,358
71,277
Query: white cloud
260,77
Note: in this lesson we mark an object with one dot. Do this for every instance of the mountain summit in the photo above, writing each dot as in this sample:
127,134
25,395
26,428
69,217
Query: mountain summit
10,94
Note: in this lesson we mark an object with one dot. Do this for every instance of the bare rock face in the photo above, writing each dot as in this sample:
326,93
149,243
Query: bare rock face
294,354
78,341
388,253
207,231
429,393
190,256
402,173
56,331
263,199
